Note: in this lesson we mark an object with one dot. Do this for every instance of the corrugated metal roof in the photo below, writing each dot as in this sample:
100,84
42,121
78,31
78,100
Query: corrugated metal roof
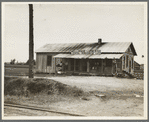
108,56
106,47
81,56
115,47
66,47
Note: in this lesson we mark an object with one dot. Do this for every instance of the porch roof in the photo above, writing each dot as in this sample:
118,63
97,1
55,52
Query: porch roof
108,56
79,56
62,55
84,56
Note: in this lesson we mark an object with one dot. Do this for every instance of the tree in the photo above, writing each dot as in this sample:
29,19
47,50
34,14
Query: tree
12,61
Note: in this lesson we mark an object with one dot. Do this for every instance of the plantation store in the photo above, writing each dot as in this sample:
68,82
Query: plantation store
102,58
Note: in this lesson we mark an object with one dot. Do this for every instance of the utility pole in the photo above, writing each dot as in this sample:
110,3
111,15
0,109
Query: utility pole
31,43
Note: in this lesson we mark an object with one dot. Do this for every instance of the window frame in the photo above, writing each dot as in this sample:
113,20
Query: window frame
132,62
49,61
124,62
127,61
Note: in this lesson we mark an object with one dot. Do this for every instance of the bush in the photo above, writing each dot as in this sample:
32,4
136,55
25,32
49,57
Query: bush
34,87
14,86
77,92
25,86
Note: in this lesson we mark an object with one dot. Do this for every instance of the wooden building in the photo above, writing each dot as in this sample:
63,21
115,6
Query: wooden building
101,58
138,70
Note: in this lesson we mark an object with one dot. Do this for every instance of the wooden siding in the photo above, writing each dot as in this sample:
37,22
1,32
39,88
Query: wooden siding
87,65
130,67
41,63
83,65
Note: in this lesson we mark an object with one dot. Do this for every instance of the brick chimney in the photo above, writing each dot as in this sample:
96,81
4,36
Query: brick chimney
99,41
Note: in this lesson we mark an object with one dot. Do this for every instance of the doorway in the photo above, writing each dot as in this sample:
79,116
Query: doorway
129,66
77,66
84,65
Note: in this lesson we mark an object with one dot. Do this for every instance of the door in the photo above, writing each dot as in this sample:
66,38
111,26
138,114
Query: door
77,66
72,64
84,65
129,66
107,67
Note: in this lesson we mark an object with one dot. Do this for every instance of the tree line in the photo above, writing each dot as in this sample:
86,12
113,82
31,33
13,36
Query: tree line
13,61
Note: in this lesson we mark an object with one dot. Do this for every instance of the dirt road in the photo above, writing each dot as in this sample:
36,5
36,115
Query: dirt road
92,83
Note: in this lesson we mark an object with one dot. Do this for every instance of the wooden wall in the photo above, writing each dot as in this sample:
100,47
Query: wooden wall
41,63
130,67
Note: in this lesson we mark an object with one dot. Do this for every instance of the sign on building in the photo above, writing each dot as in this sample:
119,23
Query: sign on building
92,52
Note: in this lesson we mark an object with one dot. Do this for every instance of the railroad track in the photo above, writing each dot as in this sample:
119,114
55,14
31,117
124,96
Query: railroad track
39,109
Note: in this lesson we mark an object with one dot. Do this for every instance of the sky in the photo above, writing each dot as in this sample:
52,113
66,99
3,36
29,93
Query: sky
73,23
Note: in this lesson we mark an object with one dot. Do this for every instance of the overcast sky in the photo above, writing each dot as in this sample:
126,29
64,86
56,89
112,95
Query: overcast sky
72,23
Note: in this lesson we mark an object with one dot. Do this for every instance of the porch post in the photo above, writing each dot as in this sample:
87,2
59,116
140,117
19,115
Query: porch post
54,65
80,64
74,64
112,67
88,68
63,63
102,66
69,65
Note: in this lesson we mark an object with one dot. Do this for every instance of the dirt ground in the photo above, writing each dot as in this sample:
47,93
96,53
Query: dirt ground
92,83
12,111
103,107
122,97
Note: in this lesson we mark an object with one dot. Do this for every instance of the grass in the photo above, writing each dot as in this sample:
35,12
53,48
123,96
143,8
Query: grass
38,90
11,71
22,70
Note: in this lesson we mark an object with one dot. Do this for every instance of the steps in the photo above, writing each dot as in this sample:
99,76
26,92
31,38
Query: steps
136,74
128,74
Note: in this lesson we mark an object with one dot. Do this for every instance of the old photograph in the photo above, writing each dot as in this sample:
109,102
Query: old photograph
74,60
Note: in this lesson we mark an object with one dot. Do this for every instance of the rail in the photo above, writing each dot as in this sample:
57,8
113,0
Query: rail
39,109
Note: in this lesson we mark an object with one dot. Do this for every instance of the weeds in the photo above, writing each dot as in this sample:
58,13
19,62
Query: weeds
25,87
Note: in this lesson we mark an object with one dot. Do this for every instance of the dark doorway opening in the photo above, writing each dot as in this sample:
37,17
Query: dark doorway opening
129,66
84,65
72,64
77,66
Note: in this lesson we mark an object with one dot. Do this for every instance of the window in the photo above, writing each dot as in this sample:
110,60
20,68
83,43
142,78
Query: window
132,63
127,61
124,62
108,62
77,64
95,64
128,50
49,60
99,63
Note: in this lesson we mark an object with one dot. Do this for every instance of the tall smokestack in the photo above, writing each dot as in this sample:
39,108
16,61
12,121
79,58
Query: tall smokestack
31,42
99,41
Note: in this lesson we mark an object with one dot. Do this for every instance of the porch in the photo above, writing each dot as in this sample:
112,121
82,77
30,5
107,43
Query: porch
103,64
87,66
